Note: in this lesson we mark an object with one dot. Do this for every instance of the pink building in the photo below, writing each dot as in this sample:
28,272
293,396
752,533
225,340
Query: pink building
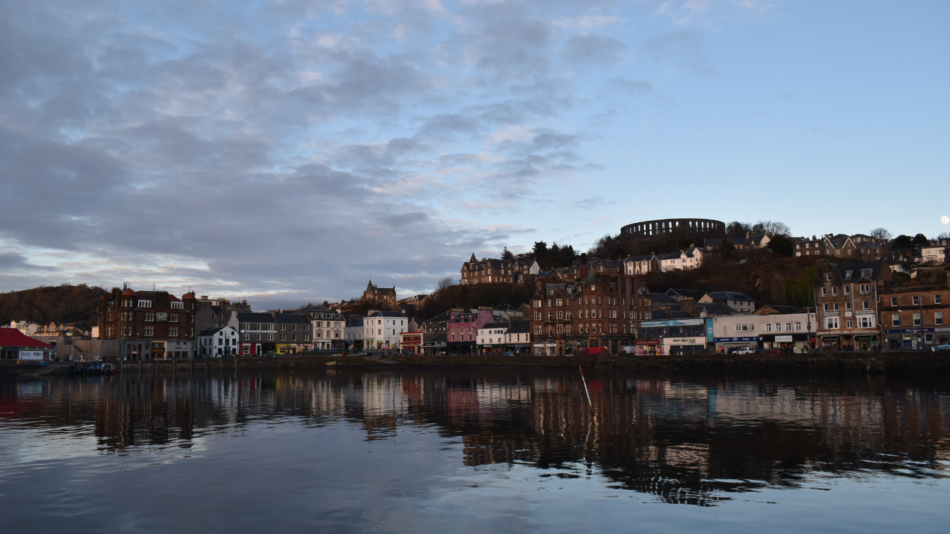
462,328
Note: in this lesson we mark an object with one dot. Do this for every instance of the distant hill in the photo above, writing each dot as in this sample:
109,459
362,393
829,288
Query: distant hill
43,305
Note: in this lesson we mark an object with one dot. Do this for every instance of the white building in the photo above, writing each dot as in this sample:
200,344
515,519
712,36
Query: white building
490,336
328,328
930,254
791,330
684,260
634,265
218,342
381,329
26,328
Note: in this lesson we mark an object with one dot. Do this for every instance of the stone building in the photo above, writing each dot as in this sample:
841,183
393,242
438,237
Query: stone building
593,311
487,271
915,317
846,296
382,296
151,325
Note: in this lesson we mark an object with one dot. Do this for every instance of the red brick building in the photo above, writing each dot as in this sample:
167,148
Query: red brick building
596,310
847,297
152,325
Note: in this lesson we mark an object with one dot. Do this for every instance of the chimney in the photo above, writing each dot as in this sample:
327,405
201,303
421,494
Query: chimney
584,266
688,305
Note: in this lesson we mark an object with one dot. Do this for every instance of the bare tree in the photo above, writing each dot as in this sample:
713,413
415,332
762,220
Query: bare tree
772,227
444,283
881,234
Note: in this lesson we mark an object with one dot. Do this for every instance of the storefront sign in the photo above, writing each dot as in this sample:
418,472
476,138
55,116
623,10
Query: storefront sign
684,341
31,355
783,339
671,322
647,342
736,339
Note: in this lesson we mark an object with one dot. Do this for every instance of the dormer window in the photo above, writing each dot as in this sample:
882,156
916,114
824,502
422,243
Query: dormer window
847,275
145,304
865,273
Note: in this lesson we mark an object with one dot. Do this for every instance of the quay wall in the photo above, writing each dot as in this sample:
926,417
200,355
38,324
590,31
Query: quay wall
932,364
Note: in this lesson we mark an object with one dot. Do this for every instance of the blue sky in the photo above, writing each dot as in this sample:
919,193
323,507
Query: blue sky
284,151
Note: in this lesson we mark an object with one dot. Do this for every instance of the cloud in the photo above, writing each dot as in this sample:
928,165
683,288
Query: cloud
631,87
593,49
685,49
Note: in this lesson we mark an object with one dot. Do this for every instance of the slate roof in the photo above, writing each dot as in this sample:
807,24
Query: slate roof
355,322
386,314
210,331
729,295
291,318
686,293
254,317
841,270
520,327
713,309
495,325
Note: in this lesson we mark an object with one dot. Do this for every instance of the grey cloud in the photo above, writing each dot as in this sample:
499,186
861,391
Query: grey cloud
631,87
684,48
592,49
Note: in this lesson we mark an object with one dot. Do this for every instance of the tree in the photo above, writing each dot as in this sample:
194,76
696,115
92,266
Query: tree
881,234
902,242
506,255
737,229
775,228
920,240
781,245
727,248
540,250
446,282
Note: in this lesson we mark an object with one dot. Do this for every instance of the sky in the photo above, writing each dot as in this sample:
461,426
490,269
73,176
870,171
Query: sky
287,151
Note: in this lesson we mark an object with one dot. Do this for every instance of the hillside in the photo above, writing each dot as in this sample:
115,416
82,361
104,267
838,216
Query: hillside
43,305
767,278
474,296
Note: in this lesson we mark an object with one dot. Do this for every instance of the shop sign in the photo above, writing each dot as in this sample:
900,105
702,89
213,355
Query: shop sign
647,342
671,322
31,355
912,330
684,341
783,339
736,339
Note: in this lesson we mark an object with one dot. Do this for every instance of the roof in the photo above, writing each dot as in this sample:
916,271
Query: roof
11,337
729,295
686,293
646,257
254,317
212,331
291,318
355,322
712,308
386,314
857,270
520,327
496,325
662,298
781,309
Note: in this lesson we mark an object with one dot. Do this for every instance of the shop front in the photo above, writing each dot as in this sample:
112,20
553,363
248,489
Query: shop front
914,338
788,343
728,345
682,346
546,347
646,347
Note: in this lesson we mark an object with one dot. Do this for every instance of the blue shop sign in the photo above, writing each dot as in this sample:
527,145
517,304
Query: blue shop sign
908,330
736,339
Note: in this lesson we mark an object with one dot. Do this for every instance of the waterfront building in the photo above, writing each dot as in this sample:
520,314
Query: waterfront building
217,342
915,317
518,336
462,328
328,328
491,336
354,333
382,329
15,345
847,297
258,332
150,325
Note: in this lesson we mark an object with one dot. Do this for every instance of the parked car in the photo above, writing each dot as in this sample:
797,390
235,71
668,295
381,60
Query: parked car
945,346
506,354
743,350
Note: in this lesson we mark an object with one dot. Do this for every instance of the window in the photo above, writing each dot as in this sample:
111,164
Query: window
850,324
172,332
246,337
893,301
895,320
916,319
537,316
937,299
145,304
865,273
836,306
866,289
834,291
283,337
798,327
847,306
867,305
865,321
831,323
938,318
149,331
916,300
847,290
826,306
270,337
768,327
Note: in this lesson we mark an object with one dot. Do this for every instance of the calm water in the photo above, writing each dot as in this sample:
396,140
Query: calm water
493,451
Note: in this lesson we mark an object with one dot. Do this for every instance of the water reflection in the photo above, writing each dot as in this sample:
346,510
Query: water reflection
683,441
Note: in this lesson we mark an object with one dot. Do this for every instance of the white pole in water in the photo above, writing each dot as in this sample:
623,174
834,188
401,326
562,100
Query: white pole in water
583,381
